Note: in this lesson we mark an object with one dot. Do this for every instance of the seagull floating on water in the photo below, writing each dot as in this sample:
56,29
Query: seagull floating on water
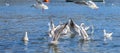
41,5
107,35
25,38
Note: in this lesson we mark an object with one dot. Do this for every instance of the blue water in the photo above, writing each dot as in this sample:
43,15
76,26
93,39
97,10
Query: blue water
15,20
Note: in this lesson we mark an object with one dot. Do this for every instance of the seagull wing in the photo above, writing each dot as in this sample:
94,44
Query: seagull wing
58,31
110,34
84,33
51,25
77,29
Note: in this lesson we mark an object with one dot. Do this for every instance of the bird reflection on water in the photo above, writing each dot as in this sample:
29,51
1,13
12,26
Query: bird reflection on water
53,48
84,45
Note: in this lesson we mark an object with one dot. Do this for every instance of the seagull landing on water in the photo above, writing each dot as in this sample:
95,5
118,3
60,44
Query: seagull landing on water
25,38
57,33
107,35
41,5
83,32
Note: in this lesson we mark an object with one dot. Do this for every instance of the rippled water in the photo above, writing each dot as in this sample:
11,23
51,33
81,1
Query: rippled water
15,20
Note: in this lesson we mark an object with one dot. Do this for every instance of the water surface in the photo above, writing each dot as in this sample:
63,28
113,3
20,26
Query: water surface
18,18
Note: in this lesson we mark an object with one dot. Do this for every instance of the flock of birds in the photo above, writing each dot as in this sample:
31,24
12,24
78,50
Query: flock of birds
69,28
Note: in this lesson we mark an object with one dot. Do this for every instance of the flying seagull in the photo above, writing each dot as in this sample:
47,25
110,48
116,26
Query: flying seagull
40,5
90,4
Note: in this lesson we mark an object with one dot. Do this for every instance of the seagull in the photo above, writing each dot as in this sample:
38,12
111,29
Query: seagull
39,5
25,38
51,28
57,33
83,32
66,31
107,35
90,4
78,29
